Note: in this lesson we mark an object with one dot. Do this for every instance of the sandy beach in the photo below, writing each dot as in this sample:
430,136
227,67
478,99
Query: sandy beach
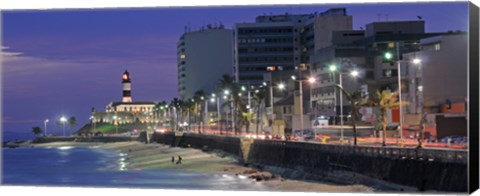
141,156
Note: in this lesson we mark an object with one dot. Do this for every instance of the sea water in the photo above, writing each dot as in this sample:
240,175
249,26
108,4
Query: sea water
98,167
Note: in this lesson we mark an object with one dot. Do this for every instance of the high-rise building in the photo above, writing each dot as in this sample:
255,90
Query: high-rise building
203,57
282,42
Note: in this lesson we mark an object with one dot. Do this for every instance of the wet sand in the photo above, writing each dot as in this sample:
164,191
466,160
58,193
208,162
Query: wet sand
141,156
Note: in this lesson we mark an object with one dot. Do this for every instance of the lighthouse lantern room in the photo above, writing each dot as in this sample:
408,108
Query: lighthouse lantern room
127,87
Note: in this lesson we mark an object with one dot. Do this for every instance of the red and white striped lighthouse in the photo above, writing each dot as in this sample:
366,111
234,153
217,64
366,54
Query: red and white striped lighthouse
127,87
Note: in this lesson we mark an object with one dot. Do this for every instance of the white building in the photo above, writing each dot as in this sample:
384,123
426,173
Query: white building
127,111
203,57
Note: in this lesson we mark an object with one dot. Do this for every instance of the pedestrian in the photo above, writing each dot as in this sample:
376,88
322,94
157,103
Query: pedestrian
179,160
173,159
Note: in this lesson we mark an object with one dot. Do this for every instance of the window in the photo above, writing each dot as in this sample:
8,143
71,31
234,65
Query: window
182,56
387,73
437,46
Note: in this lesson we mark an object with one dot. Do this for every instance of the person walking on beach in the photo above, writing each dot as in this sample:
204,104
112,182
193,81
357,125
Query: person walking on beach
179,160
173,159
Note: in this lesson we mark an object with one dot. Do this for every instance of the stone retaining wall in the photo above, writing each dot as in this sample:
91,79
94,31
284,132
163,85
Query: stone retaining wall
425,169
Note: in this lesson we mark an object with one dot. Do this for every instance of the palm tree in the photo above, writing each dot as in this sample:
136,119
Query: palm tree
259,97
187,108
385,100
175,103
227,82
199,98
159,109
36,130
72,122
247,118
356,101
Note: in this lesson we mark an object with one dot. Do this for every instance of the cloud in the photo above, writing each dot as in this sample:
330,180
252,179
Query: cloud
145,48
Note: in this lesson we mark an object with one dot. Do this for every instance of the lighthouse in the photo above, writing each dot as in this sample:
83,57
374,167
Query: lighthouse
127,87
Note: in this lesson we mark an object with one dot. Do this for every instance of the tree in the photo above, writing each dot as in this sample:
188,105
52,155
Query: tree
199,99
356,101
72,122
227,82
385,100
259,97
247,120
176,103
160,109
36,130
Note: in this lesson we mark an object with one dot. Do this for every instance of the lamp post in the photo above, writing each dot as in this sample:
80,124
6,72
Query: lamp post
63,119
281,87
116,124
353,73
219,116
311,80
389,56
225,97
46,121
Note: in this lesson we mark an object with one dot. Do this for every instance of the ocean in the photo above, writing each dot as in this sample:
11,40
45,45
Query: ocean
98,167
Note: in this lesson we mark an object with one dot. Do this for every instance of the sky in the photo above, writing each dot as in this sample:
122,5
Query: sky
64,62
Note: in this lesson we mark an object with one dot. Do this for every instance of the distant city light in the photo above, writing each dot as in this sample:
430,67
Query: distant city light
354,73
332,68
417,61
388,55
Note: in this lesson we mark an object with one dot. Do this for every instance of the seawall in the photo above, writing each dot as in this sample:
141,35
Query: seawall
424,169
103,139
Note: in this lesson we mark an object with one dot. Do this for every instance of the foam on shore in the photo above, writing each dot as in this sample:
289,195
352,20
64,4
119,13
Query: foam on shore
139,156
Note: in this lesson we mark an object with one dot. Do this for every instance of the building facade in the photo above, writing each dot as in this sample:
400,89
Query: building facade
437,84
364,51
282,42
203,57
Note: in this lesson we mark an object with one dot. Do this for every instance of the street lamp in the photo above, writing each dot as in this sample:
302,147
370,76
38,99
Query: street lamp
46,121
280,86
116,124
226,92
389,56
63,119
353,73
311,80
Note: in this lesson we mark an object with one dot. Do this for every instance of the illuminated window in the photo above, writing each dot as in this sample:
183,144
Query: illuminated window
271,68
437,46
182,56
391,45
420,88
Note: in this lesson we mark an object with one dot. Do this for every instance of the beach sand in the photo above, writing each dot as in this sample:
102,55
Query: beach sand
141,156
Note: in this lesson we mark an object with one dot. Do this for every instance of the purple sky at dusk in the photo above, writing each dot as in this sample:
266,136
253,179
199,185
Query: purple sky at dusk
66,61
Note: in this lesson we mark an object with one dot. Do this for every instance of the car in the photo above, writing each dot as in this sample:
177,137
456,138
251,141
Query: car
455,139
307,134
390,127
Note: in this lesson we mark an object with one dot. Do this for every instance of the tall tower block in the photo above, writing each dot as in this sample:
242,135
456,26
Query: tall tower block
127,87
